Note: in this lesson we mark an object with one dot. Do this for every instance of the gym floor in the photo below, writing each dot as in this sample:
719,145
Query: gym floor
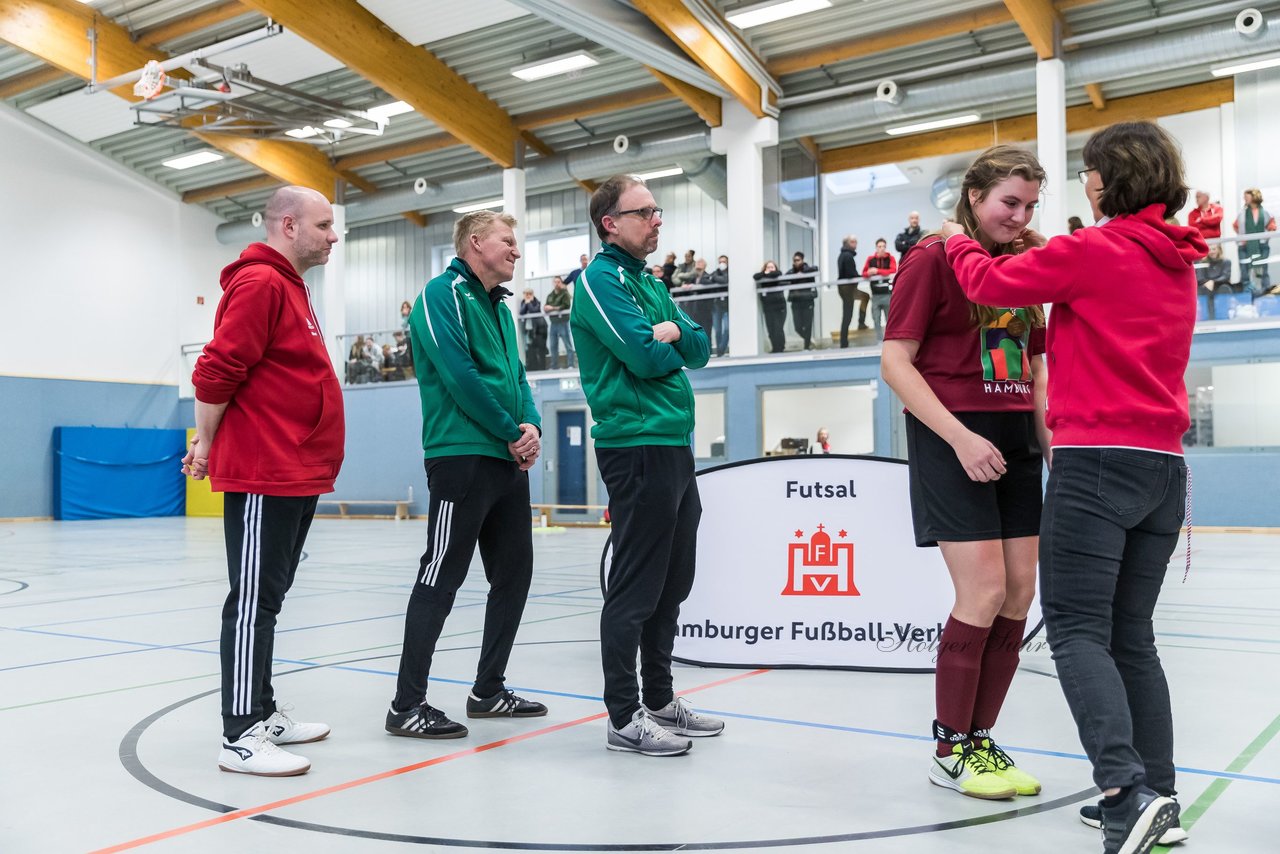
110,716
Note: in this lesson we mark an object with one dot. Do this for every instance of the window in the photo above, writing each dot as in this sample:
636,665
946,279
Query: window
797,413
709,432
1234,405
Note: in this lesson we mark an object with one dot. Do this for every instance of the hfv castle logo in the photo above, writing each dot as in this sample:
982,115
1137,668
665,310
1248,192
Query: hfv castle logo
820,567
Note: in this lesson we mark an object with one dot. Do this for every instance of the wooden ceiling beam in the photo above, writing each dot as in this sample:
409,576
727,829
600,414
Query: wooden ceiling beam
594,106
1094,91
925,31
1040,23
29,80
354,36
1148,106
230,188
701,45
706,105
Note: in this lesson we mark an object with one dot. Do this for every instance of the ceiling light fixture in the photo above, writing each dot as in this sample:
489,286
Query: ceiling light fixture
302,133
775,10
479,206
199,158
339,124
660,173
575,61
936,124
1243,67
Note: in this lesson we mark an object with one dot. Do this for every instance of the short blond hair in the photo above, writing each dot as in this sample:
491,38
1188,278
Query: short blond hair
477,222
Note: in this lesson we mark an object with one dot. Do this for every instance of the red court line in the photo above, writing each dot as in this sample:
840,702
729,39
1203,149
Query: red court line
247,812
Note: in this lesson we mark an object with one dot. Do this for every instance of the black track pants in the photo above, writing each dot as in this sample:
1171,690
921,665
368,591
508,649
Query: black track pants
264,534
474,499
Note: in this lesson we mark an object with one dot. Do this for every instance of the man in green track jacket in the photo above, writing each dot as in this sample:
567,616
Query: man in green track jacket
633,345
480,436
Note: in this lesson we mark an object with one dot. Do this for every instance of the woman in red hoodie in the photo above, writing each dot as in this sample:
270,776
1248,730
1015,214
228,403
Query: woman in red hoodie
970,378
1124,307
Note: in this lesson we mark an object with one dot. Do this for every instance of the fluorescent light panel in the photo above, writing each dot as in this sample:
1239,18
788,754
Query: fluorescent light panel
953,121
337,123
767,13
556,65
186,161
1243,67
479,206
660,173
386,111
302,133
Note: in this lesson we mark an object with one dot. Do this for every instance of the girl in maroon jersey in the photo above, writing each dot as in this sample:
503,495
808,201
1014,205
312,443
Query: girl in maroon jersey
971,379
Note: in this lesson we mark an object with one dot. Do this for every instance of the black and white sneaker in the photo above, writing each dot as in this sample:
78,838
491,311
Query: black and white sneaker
1091,815
1135,825
423,721
504,704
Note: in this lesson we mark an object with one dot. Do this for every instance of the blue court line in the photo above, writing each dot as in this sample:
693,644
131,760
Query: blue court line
191,646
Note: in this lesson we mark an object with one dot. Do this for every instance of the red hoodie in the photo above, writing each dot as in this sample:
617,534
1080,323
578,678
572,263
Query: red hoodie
283,430
1119,338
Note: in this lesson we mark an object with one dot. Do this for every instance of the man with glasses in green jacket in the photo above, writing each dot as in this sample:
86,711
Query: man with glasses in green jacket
633,343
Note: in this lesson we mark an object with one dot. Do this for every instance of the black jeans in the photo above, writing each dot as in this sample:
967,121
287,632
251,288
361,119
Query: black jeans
654,505
848,295
1111,521
802,317
474,499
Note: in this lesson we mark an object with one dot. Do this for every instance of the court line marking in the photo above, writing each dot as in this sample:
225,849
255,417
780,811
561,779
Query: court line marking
383,775
1218,787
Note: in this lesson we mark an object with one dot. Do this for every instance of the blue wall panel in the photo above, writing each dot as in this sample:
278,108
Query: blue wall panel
31,408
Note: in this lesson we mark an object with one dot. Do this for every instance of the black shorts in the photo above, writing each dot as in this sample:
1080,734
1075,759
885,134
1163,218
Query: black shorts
947,506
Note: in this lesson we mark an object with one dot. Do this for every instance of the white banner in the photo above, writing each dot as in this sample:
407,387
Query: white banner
811,561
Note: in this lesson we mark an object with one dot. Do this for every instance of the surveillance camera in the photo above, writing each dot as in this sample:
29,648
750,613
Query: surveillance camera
887,92
420,186
621,143
1249,22
256,219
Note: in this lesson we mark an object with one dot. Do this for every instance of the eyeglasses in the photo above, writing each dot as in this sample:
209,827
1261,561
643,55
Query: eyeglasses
643,213
1084,175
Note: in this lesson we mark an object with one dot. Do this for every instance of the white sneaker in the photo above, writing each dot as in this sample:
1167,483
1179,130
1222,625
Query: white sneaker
645,735
678,717
282,729
254,753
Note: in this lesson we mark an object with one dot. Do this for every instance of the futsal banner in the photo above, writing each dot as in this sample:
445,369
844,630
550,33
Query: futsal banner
810,561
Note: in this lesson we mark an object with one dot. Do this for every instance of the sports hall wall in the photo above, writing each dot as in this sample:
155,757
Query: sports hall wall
102,273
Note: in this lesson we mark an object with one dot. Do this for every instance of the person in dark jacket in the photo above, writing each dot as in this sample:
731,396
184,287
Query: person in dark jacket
801,299
269,434
773,306
535,332
720,305
847,268
909,236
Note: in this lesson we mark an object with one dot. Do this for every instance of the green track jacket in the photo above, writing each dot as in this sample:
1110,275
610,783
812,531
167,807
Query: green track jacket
635,386
473,387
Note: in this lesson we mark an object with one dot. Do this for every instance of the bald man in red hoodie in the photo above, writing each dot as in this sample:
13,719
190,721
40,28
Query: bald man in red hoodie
270,435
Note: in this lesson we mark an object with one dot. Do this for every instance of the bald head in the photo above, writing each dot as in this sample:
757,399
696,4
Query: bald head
299,224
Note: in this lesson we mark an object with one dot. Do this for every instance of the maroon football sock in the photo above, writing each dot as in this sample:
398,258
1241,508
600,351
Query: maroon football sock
956,681
999,662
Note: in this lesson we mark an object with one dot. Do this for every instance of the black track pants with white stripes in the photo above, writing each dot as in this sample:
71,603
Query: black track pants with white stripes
264,535
474,499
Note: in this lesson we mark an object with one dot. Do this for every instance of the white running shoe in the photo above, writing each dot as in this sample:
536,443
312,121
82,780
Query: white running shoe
254,753
646,736
282,729
678,717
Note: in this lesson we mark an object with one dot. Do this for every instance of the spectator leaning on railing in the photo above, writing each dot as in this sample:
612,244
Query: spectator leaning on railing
801,299
773,306
557,307
1254,219
847,268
